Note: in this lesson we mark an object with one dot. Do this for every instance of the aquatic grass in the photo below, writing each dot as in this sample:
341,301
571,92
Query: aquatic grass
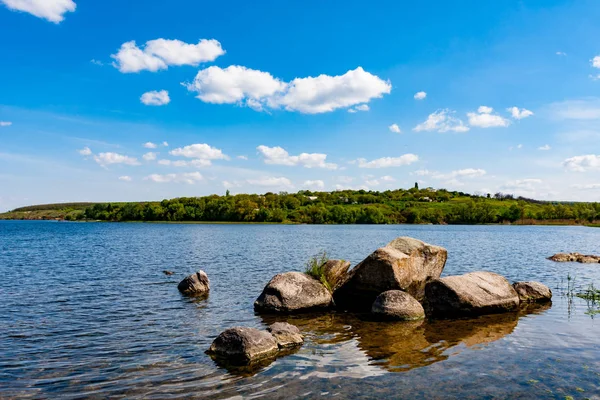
315,267
592,298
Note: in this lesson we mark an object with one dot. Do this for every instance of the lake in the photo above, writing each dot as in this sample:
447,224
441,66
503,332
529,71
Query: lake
86,311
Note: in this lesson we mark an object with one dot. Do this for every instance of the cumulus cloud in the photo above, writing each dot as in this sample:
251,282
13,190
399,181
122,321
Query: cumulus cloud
184,163
314,185
386,162
156,98
150,156
279,156
85,151
271,182
394,128
522,184
360,107
461,173
5,123
150,145
105,159
519,113
125,178
200,151
442,121
312,95
545,147
51,10
420,95
159,54
245,158
166,144
484,118
187,177
582,163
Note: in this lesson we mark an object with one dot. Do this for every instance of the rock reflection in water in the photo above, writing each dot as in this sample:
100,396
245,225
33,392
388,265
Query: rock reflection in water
402,346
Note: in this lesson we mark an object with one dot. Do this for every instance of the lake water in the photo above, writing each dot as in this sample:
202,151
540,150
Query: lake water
85,311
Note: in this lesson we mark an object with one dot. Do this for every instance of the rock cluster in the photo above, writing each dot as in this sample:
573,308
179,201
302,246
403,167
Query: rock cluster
575,257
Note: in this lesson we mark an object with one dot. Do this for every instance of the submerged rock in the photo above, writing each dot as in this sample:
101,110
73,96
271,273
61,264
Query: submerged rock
195,285
475,293
293,292
167,272
575,257
397,305
286,335
405,264
243,346
335,271
532,292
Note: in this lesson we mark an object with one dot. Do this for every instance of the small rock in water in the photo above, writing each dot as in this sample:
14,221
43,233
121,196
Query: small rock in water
195,285
286,335
397,305
243,346
575,257
532,292
167,272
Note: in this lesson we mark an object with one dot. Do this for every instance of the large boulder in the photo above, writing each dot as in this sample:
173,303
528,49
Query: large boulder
475,293
532,292
195,285
293,292
397,305
241,346
335,271
286,335
403,264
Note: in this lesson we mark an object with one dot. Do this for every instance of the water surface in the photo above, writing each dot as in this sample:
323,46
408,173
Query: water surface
85,311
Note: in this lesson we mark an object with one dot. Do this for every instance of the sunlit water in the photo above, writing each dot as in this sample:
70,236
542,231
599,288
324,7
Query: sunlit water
85,311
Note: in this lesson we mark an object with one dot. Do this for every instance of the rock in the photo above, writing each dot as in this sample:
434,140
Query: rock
293,292
335,271
397,305
475,293
243,345
167,272
403,264
286,335
195,285
532,292
572,257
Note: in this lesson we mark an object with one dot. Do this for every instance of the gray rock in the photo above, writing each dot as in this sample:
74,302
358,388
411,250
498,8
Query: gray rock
397,305
195,285
243,346
475,293
335,271
286,335
293,292
532,292
403,264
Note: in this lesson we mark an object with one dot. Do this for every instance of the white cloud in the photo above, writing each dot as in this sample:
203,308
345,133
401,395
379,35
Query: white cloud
461,173
156,98
187,177
150,145
51,10
518,113
422,172
314,185
245,158
352,111
96,62
5,123
545,147
582,163
105,159
394,128
387,178
150,156
85,151
278,156
442,121
184,163
360,107
589,186
561,53
420,95
312,95
125,178
386,162
344,179
200,151
596,62
522,184
161,53
166,144
484,118
271,182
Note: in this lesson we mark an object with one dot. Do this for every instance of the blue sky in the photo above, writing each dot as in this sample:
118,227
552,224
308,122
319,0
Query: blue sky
116,101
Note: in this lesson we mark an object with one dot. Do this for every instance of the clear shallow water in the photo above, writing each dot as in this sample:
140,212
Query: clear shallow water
85,311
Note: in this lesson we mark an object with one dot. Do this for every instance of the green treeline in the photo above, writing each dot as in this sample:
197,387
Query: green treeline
349,207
